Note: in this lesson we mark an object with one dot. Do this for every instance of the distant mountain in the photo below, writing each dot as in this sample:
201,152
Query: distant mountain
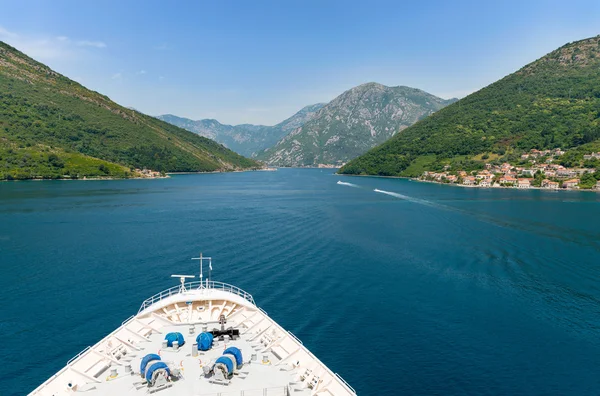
550,103
351,124
245,139
51,126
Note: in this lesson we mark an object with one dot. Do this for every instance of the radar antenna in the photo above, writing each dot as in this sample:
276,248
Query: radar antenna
182,279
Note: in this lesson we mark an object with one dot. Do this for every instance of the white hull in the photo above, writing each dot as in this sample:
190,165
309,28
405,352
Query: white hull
282,365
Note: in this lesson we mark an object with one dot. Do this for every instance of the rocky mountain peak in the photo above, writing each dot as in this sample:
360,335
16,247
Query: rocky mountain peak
352,123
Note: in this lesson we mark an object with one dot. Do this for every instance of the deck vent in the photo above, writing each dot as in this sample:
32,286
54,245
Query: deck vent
222,322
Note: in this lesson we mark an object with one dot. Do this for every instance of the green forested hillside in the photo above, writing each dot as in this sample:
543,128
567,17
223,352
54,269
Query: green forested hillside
51,126
552,102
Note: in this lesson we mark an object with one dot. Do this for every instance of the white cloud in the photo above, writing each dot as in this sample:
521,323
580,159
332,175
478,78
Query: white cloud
5,33
96,44
40,49
46,47
117,76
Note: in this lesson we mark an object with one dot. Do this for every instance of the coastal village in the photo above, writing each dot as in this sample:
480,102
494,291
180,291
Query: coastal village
149,174
541,170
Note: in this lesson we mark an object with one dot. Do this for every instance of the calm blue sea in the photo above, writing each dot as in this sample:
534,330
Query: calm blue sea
429,290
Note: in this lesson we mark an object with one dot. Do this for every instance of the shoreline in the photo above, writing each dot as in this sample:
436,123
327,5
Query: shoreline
483,188
167,176
507,187
86,179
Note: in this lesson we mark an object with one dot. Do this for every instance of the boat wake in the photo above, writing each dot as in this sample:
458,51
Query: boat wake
411,199
341,183
536,228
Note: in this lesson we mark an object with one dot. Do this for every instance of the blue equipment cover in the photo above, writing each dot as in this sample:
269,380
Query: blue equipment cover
227,362
237,353
146,359
154,367
174,337
205,341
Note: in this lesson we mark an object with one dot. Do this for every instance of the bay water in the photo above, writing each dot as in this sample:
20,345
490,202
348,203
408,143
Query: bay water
401,287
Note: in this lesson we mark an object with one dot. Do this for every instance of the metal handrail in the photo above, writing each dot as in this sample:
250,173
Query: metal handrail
296,338
280,390
345,383
263,311
78,355
123,323
196,285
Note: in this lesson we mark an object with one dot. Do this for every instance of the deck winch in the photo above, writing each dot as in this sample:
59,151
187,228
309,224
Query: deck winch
239,361
157,373
146,360
227,364
205,341
175,336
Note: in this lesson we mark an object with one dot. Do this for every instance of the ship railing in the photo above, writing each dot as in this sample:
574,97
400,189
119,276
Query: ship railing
345,383
78,355
209,285
296,338
342,382
273,391
263,311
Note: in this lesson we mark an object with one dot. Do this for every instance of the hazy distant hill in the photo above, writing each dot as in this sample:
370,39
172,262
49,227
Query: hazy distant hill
245,139
352,123
51,126
552,102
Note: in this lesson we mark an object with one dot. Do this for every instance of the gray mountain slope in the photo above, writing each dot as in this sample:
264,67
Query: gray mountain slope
353,123
245,139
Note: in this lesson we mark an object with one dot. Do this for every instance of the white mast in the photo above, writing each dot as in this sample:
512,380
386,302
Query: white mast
202,258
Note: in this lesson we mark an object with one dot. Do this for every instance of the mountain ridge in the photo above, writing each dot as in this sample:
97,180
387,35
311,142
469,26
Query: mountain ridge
352,123
245,139
551,102
51,126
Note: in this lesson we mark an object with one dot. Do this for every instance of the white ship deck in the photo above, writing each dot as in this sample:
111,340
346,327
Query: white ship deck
282,365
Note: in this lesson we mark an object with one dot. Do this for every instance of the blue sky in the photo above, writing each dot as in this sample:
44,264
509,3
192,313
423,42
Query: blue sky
261,61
